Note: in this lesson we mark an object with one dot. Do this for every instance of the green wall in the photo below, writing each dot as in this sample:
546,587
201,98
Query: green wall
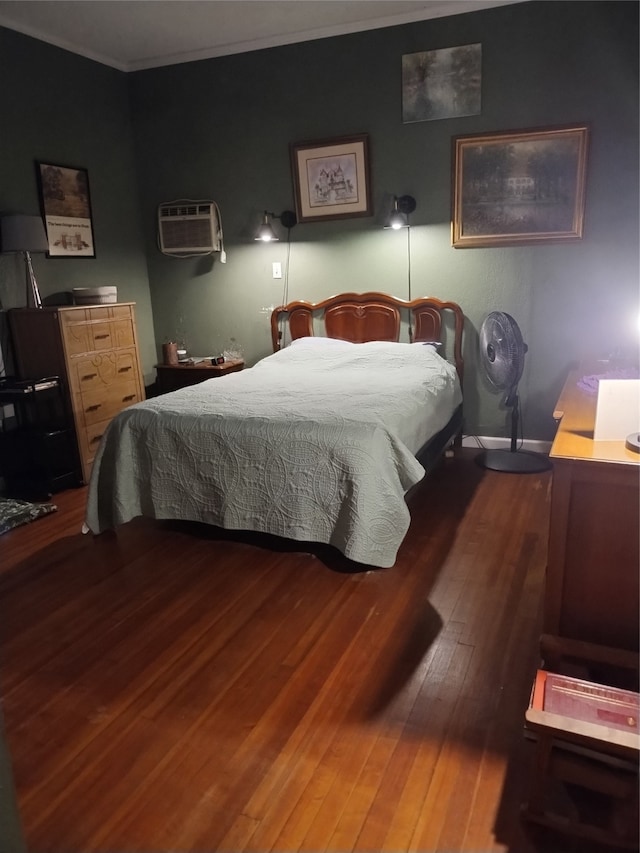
221,128
60,108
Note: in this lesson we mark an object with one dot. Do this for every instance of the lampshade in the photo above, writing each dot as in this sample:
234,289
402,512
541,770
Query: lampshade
399,216
22,233
25,234
266,232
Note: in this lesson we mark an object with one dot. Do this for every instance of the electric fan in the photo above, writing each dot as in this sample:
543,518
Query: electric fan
502,352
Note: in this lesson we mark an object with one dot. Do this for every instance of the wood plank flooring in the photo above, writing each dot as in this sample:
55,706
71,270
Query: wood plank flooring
171,687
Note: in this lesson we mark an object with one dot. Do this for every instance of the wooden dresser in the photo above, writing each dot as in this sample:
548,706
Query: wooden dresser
94,350
592,590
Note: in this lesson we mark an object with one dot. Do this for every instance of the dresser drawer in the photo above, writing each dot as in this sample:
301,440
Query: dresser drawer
89,441
123,334
98,330
97,372
91,437
103,404
76,337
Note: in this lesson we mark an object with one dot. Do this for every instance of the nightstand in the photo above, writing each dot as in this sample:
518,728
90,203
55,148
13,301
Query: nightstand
171,377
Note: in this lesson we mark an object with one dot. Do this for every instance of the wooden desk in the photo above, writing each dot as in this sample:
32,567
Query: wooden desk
592,590
171,377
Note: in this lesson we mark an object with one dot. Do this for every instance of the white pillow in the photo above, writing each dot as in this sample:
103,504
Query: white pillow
312,341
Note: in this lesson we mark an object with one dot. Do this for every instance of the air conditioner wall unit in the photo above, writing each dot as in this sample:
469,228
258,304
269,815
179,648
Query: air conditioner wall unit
187,227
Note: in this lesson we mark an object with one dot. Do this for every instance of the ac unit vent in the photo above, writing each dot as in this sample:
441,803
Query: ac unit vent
186,227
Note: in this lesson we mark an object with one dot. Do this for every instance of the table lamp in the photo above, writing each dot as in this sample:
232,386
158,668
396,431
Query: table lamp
21,233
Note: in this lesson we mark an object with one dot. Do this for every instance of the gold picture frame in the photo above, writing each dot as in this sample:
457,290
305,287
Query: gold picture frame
331,178
519,187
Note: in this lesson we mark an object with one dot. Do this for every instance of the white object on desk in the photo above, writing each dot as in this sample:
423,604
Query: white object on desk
617,409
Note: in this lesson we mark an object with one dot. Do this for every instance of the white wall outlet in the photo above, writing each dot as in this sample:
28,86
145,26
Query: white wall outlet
277,269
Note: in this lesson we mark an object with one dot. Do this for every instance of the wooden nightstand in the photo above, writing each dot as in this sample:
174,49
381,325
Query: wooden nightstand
171,377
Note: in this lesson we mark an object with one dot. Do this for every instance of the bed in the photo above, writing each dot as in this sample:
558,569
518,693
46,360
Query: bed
318,442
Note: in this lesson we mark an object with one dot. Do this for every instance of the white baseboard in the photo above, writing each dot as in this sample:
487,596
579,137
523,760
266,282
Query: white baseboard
490,442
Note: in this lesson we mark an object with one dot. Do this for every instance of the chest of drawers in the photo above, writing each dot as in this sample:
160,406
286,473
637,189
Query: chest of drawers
592,585
94,350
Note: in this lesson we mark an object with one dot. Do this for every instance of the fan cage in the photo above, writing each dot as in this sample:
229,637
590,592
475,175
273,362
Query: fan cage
502,350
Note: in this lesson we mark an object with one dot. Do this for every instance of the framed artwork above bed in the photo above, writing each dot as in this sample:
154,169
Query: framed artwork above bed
520,187
331,178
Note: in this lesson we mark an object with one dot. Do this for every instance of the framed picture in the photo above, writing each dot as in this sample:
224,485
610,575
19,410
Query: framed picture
331,178
66,207
519,187
444,83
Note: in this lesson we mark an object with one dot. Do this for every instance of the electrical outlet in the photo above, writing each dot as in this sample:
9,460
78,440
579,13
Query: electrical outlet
277,269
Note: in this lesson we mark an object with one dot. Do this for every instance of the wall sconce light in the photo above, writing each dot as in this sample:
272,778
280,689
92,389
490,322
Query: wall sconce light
266,233
26,234
399,216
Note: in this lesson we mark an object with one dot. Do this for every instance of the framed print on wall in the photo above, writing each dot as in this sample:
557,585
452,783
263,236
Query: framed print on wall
519,187
331,178
66,207
444,83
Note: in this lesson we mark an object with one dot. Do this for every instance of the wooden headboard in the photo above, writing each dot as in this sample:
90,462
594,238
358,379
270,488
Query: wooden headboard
361,317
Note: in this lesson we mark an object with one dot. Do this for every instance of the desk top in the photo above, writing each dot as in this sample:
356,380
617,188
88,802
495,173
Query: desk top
576,411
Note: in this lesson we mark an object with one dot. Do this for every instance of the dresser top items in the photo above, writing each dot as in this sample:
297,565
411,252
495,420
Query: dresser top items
576,413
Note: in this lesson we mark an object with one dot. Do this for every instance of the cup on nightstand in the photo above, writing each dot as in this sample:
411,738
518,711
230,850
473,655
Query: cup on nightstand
170,353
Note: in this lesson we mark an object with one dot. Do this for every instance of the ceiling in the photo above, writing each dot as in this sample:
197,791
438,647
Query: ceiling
134,34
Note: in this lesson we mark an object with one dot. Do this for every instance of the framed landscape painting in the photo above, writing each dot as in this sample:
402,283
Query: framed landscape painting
331,178
444,83
519,187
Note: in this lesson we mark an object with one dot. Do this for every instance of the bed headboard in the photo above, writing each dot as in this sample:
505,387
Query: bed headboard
361,317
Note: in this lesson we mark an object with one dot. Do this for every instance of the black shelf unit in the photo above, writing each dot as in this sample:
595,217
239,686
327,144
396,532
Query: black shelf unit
37,450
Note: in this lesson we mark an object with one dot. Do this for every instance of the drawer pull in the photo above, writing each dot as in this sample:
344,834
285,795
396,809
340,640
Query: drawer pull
101,337
94,408
128,397
124,369
89,376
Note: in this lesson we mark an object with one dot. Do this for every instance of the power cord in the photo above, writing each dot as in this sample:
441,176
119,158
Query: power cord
285,293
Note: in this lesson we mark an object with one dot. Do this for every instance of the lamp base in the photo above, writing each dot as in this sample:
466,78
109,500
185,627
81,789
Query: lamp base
633,442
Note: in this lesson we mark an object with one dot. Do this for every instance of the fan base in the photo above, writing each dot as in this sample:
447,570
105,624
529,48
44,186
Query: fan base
513,462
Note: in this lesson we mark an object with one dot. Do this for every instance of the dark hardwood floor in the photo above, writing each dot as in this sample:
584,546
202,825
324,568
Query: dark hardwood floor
174,688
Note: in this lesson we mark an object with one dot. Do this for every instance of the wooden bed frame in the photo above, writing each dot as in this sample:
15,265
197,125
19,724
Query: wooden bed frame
362,317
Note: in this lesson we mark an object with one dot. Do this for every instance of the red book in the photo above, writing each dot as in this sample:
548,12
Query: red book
586,701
